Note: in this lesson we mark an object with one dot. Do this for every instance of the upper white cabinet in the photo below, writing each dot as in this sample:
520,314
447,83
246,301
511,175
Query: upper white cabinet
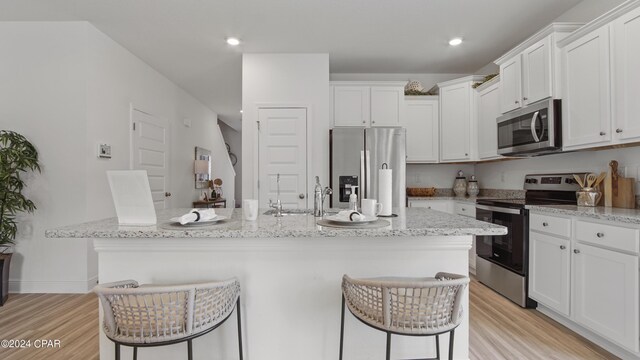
364,104
457,120
626,80
488,110
422,117
586,101
529,72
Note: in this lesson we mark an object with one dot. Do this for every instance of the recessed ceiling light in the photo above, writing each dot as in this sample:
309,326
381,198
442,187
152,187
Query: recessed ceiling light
455,41
233,41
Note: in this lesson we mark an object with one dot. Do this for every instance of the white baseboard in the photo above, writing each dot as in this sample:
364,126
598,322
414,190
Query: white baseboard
53,287
594,338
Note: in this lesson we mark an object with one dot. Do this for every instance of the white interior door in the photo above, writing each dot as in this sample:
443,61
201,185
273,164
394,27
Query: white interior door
150,151
283,150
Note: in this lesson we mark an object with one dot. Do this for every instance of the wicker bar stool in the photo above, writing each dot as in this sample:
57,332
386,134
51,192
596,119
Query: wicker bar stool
406,306
149,315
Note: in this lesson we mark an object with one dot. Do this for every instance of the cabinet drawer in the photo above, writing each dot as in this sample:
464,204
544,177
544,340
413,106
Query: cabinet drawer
611,236
465,209
550,224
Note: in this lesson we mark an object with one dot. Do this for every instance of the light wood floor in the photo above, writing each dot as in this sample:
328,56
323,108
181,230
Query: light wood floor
499,329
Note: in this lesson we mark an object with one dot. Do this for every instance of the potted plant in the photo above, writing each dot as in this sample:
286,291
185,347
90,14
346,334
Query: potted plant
17,156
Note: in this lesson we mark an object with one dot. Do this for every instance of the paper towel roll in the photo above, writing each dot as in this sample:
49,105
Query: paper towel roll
384,190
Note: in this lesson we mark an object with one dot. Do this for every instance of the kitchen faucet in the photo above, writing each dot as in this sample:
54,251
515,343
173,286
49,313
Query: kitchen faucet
278,204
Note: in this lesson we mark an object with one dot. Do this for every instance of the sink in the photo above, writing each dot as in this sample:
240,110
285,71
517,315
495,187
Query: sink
287,212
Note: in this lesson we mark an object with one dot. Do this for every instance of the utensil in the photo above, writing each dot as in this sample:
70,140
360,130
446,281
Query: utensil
579,180
591,179
599,179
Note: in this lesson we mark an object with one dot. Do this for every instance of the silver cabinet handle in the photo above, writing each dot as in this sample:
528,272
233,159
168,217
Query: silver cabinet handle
364,122
576,251
373,122
525,98
618,131
517,102
600,235
562,247
167,194
301,196
545,224
466,154
602,133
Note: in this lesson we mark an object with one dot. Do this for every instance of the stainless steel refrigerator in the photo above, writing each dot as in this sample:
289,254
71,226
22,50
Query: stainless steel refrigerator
356,157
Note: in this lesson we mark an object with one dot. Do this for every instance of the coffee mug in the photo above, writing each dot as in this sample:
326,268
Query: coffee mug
371,207
250,209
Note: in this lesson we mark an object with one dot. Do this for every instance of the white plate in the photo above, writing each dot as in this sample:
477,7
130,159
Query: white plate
199,223
343,221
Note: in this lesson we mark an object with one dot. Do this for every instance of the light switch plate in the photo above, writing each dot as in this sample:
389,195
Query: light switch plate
187,122
104,151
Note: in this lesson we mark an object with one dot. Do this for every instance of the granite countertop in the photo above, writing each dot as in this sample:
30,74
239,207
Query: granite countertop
630,216
466,199
410,222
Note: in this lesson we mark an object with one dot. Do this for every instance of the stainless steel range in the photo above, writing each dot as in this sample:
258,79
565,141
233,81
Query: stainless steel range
502,261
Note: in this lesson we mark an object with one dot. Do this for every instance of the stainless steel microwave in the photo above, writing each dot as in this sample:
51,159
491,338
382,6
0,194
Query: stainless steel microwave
531,131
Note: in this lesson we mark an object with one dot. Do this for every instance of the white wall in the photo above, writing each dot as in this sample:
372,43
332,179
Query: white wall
427,80
510,174
285,79
234,139
67,87
436,175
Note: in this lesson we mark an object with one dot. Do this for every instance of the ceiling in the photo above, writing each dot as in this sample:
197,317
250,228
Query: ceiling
185,39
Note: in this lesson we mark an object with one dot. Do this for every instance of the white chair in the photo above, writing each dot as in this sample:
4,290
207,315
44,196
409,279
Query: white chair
406,306
149,315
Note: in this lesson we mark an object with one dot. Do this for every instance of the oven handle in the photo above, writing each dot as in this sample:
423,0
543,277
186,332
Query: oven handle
533,126
498,209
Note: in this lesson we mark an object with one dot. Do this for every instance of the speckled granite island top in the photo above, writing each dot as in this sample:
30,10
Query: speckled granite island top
410,222
629,216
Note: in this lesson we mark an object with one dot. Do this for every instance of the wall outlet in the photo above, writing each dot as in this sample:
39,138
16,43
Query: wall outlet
104,151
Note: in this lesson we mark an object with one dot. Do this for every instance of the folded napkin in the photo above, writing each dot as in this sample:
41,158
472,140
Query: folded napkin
197,215
350,215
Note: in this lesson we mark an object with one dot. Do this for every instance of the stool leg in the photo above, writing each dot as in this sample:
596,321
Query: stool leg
117,351
135,353
438,347
451,344
189,350
342,327
239,327
388,346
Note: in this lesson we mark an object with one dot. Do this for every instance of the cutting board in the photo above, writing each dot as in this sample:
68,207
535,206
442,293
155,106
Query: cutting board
623,190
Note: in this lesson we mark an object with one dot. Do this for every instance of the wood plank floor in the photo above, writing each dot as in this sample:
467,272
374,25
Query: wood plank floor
499,329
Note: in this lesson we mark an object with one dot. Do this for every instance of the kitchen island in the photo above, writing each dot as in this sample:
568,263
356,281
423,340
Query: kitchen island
290,270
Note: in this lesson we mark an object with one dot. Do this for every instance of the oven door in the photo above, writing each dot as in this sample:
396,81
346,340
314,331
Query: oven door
508,251
529,130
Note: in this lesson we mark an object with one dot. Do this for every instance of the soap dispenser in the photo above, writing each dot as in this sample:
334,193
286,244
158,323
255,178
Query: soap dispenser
353,199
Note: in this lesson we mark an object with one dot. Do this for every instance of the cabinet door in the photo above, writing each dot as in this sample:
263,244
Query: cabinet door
455,122
387,106
586,101
549,265
439,205
626,79
488,105
351,106
511,85
536,72
422,131
605,297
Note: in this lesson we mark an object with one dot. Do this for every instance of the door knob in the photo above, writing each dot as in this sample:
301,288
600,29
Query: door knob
167,194
301,196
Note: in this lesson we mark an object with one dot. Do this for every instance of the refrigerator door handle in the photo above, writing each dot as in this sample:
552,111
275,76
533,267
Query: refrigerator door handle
367,193
361,182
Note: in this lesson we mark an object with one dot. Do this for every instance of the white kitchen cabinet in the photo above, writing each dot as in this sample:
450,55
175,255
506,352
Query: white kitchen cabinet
365,104
422,117
387,106
488,110
465,209
605,293
586,101
439,205
537,77
457,120
626,76
549,271
511,89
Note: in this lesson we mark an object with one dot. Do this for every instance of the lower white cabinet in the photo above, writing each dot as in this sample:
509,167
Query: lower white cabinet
605,293
439,205
591,277
549,269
